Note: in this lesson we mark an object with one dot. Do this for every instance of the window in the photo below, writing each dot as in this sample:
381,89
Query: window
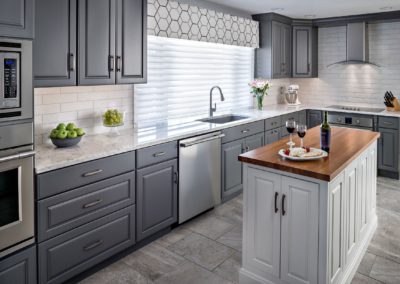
181,74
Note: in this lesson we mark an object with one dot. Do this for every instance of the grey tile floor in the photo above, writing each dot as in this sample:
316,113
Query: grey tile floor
208,249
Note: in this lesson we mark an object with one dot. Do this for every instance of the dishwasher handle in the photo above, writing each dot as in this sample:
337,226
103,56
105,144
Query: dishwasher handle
188,144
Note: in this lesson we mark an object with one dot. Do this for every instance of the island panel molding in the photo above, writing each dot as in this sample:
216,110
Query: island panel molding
184,21
346,145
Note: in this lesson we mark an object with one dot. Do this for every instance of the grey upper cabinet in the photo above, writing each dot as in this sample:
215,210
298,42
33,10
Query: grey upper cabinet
96,42
274,57
19,268
54,47
157,198
16,18
305,52
131,60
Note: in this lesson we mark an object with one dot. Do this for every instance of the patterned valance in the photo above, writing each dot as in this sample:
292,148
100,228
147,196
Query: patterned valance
177,20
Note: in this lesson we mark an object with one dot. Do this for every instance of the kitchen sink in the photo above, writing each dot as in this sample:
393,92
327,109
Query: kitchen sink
223,118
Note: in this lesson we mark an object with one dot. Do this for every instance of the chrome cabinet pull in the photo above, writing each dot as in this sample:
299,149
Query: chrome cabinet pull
96,172
159,154
283,205
276,201
245,131
91,204
188,144
111,63
17,156
72,62
93,245
118,63
387,123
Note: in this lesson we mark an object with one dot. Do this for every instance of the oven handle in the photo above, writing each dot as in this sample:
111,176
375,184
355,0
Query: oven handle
22,155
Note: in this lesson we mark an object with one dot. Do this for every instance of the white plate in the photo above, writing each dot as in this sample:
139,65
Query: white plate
323,155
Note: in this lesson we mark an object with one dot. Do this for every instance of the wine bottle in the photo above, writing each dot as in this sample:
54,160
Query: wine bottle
325,133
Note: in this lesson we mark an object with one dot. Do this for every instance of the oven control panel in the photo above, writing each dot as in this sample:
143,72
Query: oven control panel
9,80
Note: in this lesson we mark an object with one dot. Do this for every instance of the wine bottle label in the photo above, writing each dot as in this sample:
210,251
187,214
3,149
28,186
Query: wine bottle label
325,138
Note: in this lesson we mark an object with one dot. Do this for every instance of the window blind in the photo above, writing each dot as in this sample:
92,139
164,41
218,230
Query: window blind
181,74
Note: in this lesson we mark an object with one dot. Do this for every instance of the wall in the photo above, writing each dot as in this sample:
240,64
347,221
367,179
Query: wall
360,85
81,105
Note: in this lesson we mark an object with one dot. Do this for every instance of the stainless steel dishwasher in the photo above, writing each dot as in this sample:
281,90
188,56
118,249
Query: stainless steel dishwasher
199,174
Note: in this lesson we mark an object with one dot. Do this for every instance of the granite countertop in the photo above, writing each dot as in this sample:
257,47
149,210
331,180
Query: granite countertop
92,147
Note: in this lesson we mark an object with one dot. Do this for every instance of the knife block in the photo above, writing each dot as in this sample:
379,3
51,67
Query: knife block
396,104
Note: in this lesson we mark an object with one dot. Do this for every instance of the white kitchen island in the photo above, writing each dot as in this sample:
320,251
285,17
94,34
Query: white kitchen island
309,222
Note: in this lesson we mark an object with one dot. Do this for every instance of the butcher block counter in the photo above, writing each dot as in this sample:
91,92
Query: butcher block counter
309,222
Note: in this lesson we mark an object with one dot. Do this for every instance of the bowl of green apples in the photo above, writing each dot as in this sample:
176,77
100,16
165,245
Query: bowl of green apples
66,135
113,118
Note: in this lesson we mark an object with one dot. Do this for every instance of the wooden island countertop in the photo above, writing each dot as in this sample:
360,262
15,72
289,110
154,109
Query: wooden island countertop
346,145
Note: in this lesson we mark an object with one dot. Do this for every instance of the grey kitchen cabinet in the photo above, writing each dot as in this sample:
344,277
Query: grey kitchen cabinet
388,150
305,52
314,118
96,42
272,136
71,253
303,117
54,46
157,198
17,18
274,57
20,267
131,59
231,167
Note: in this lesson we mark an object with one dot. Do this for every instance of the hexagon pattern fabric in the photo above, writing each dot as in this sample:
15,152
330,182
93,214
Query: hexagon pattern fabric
177,20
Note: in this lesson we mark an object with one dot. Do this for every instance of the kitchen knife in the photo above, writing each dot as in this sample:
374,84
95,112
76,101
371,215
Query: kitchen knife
391,95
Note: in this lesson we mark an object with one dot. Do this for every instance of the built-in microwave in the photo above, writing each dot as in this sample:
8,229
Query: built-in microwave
16,92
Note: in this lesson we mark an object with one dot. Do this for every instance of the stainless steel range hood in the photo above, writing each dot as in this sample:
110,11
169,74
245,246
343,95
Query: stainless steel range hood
357,45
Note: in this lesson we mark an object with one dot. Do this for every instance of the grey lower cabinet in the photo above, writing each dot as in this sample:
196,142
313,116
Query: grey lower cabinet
305,52
303,117
16,18
388,151
232,182
20,267
71,253
272,135
54,46
157,198
314,118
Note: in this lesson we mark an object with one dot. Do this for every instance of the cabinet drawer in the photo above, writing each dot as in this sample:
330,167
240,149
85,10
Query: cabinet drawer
241,131
388,122
74,208
290,116
157,154
272,123
69,254
19,268
61,180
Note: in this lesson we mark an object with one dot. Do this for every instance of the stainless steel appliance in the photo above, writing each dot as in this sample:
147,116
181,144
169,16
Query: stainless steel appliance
16,146
353,108
199,174
367,122
16,94
292,95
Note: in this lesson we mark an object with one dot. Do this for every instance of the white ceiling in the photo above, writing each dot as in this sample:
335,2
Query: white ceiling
318,8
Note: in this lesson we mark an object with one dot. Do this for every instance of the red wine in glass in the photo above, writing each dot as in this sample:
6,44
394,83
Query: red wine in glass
290,126
301,132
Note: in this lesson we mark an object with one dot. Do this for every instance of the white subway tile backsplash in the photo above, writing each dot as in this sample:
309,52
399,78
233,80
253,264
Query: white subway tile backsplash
82,105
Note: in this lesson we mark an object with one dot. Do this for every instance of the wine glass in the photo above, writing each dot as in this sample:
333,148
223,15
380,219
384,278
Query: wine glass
301,132
291,126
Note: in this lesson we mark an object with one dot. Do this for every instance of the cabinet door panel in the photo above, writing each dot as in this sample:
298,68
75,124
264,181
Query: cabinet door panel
19,268
16,18
54,47
96,42
262,223
254,142
301,51
286,47
272,136
276,50
363,188
351,237
303,117
388,149
299,231
231,168
157,196
314,118
131,41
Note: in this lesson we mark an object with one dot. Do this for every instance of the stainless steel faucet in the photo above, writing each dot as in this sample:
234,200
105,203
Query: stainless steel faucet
213,109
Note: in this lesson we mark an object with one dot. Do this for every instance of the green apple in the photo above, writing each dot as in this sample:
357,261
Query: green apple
62,134
80,131
72,134
71,126
54,133
61,126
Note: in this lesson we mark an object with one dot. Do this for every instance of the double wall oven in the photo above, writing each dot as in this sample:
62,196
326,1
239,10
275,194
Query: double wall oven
16,145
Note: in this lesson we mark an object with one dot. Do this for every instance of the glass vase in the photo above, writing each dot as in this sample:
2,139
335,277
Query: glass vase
260,99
